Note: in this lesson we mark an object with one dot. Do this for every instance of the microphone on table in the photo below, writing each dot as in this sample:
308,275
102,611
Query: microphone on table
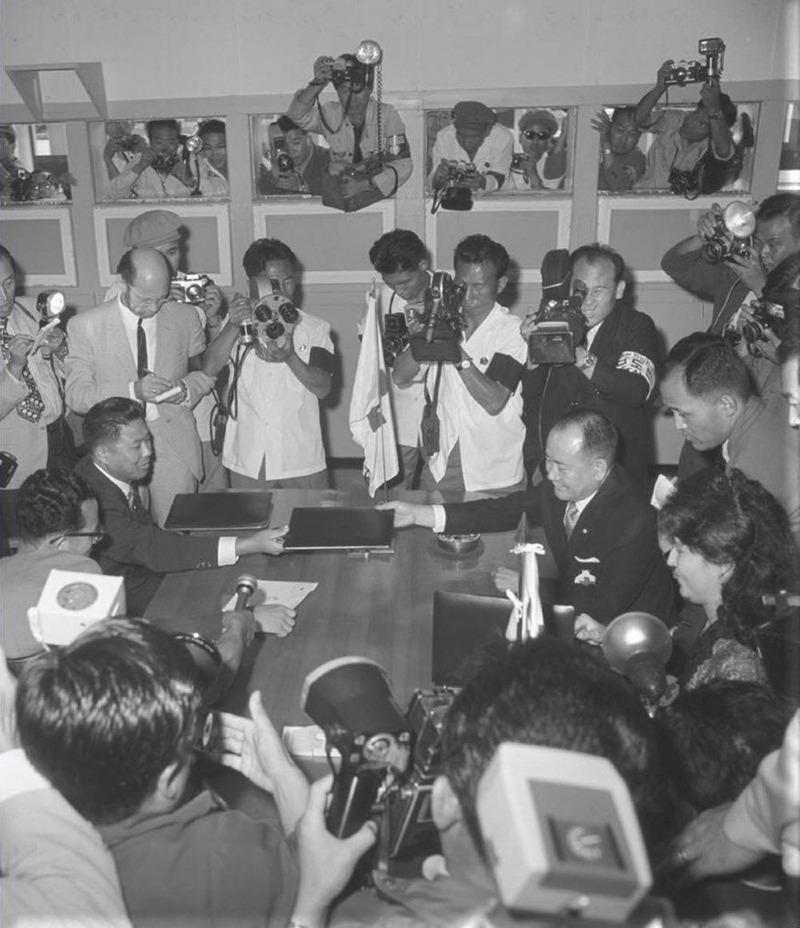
245,587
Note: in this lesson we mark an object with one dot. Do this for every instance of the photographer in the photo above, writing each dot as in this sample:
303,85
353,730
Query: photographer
307,163
273,437
212,160
684,140
543,693
33,430
11,168
159,171
477,400
475,145
364,167
543,162
614,370
737,282
623,162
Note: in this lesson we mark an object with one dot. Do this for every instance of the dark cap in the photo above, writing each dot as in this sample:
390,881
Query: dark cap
469,114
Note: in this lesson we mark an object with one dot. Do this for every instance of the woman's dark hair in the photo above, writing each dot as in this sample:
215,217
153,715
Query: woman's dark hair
730,519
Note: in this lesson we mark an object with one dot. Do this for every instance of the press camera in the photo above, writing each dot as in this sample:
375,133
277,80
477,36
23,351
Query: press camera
733,233
440,322
389,759
283,159
451,190
395,336
693,72
560,324
190,288
358,70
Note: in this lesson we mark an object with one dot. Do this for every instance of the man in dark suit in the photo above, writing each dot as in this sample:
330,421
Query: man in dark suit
121,451
602,536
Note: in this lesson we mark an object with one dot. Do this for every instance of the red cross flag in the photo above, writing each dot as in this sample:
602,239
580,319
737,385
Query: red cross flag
371,418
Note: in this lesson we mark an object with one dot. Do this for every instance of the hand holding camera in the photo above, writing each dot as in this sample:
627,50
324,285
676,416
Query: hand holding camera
323,70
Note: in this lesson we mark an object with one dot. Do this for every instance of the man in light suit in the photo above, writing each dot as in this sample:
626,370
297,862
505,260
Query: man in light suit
141,345
601,534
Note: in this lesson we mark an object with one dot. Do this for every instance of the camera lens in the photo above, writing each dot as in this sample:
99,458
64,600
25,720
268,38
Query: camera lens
753,332
288,313
262,313
274,330
714,250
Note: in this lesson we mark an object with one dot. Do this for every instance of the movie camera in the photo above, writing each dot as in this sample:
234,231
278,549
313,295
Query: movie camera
272,313
439,321
733,233
190,288
452,190
559,826
389,758
33,185
283,160
560,325
693,72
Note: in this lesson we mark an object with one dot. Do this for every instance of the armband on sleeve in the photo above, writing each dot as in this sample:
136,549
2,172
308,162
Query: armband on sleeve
635,363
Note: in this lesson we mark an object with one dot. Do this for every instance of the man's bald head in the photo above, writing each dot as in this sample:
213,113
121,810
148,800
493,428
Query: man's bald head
146,274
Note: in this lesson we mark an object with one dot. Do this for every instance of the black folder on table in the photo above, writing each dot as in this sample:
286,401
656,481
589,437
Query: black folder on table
463,625
236,510
338,527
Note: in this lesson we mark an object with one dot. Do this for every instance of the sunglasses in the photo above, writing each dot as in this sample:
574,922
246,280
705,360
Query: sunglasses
536,134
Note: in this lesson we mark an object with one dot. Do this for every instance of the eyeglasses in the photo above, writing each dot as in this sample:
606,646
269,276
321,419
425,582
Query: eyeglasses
95,536
540,136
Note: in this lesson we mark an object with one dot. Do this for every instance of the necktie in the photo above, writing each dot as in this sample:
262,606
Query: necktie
358,155
134,502
571,516
32,406
141,350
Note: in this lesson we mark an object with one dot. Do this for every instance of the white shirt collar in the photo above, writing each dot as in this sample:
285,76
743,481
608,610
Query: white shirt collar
726,451
125,487
583,503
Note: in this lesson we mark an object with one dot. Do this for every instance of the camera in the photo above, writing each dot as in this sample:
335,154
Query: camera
283,159
766,317
561,325
693,72
441,321
129,143
395,336
451,190
272,310
50,304
560,328
163,163
389,758
190,288
353,73
732,233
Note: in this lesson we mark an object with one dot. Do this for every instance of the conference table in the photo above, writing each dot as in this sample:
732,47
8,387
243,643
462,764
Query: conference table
373,605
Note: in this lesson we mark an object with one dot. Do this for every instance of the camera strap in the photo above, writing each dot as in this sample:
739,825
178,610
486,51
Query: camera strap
430,403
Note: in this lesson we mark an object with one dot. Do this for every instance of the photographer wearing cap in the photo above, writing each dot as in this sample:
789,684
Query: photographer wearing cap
543,162
370,157
737,282
158,171
614,371
473,139
684,140
273,437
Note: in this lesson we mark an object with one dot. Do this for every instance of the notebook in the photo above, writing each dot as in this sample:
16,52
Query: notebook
332,528
235,510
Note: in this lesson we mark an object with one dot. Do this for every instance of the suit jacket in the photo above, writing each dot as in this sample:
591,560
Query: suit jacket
611,564
627,350
136,549
100,364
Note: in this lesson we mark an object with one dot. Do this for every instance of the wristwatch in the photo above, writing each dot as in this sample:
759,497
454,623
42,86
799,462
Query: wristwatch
589,361
464,364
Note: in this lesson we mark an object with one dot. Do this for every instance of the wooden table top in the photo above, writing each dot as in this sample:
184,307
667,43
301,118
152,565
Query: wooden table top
378,607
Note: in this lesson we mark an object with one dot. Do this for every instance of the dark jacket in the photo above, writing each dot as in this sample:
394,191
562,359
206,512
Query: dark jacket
136,549
611,564
627,349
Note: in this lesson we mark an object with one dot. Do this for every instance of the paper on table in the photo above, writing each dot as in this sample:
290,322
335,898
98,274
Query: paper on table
662,490
276,592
